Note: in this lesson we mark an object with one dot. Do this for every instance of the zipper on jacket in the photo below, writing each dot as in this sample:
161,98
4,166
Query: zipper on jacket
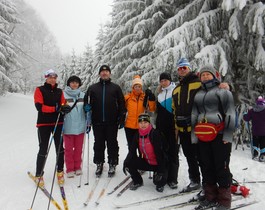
144,151
166,99
103,101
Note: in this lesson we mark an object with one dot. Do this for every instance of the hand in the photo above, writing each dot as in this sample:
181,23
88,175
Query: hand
224,85
65,109
150,95
125,169
87,108
88,129
121,125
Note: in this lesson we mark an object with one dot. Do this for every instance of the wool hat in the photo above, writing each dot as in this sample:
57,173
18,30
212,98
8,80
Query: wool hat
137,80
260,101
183,62
165,75
50,73
104,67
144,117
74,79
212,70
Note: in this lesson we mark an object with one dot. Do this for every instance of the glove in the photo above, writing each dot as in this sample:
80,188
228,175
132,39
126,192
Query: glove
65,109
125,170
121,125
88,129
240,190
150,95
87,108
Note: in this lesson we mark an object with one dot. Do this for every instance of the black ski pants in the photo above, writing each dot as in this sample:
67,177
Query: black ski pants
191,153
130,133
44,135
215,159
106,134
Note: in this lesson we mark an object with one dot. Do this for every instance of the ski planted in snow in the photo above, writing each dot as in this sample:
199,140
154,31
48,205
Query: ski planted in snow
45,191
119,185
90,194
65,203
103,191
155,199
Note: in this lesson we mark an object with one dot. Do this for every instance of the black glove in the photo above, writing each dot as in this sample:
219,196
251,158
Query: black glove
149,96
121,125
65,109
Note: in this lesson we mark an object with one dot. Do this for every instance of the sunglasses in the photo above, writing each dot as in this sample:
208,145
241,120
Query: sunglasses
183,68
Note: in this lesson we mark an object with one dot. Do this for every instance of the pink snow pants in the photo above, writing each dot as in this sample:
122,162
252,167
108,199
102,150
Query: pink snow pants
73,145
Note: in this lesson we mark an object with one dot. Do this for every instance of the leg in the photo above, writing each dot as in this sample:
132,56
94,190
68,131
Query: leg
99,144
112,144
44,133
69,152
78,145
129,135
58,141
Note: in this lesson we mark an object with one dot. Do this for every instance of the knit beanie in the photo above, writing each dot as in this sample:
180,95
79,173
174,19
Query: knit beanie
74,79
183,62
104,67
144,117
50,73
137,81
260,101
166,76
212,70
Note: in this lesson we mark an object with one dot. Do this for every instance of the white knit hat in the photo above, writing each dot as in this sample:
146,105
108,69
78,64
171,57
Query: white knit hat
49,73
137,81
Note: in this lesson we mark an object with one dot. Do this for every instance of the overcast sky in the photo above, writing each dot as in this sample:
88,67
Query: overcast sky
74,23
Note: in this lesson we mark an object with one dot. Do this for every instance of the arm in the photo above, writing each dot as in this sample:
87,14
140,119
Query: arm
39,103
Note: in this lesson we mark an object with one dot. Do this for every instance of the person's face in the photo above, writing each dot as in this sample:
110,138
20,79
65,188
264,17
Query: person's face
51,80
143,125
137,88
183,71
104,74
74,85
164,83
206,76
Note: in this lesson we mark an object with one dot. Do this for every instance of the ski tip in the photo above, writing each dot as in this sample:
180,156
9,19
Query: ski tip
97,203
85,204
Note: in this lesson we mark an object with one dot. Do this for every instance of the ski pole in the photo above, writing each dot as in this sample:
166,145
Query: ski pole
46,156
56,166
83,152
88,123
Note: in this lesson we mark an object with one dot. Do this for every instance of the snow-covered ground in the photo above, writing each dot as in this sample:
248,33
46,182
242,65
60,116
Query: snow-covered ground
19,146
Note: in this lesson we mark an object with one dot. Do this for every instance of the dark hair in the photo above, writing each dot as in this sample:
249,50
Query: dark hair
74,79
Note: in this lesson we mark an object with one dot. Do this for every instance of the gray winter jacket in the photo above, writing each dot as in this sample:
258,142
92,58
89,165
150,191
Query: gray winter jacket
214,104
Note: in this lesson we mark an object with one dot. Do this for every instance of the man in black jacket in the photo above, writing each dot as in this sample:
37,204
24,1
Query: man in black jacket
106,101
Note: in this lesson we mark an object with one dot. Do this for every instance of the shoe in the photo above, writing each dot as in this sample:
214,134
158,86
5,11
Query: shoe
60,177
159,188
221,207
39,181
173,185
135,186
99,169
262,158
70,174
191,186
201,195
112,169
205,204
78,172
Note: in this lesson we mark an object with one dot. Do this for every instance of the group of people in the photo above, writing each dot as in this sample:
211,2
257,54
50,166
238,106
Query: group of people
197,113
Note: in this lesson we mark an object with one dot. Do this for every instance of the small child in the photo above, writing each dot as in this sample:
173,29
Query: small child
149,142
257,116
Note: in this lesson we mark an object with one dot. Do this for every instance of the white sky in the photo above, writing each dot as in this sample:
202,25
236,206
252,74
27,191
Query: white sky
74,23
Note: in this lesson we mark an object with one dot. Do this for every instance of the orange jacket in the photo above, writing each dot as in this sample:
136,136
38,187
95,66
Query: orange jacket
134,106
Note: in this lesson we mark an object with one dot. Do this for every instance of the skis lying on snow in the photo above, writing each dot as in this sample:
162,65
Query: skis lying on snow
103,191
154,199
45,191
119,185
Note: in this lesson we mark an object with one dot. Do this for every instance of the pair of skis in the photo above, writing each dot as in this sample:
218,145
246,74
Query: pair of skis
101,194
49,196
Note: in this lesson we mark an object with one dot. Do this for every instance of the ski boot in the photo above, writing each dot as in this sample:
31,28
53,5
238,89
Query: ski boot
99,169
60,177
111,171
39,181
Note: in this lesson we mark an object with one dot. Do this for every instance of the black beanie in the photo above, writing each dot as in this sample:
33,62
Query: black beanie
165,75
104,67
74,79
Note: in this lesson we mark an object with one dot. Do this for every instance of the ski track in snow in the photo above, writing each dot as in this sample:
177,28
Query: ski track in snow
18,151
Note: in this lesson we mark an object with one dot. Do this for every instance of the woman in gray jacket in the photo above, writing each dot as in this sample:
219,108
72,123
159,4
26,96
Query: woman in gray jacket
215,106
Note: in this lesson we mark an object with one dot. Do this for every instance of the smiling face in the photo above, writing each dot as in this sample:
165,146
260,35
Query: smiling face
183,71
143,125
104,74
206,76
51,80
74,85
164,83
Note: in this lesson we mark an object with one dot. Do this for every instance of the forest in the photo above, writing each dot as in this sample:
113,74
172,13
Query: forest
144,37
